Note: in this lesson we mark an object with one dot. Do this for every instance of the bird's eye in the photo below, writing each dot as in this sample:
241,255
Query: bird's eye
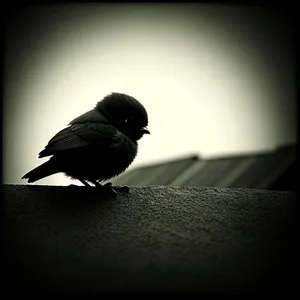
127,120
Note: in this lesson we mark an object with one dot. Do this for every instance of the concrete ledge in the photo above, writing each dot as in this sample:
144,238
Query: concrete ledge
153,239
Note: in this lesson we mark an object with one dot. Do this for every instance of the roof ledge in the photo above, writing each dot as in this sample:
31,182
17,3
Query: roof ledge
155,238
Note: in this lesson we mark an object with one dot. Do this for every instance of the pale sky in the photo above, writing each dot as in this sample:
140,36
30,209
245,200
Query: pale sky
215,80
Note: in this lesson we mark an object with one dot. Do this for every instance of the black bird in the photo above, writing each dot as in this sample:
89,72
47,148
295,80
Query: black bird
97,145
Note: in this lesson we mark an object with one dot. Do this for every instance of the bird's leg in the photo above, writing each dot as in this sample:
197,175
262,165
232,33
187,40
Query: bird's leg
96,183
84,182
125,188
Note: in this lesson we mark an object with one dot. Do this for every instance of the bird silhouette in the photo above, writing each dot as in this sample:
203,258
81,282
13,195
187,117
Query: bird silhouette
98,145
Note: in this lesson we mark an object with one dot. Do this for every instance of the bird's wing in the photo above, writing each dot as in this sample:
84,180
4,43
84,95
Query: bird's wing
83,135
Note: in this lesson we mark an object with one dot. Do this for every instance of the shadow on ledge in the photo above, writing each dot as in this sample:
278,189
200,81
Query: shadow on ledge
153,239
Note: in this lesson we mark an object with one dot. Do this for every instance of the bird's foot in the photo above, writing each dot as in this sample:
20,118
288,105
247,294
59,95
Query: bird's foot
108,186
112,188
124,188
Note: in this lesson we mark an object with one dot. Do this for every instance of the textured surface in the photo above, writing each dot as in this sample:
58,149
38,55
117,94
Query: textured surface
154,238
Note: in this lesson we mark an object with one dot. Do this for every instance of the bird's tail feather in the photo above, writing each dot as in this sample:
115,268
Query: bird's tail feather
46,169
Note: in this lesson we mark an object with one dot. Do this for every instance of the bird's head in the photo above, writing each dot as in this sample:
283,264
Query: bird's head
125,113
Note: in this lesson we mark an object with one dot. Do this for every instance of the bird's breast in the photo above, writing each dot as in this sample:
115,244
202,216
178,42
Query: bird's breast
101,163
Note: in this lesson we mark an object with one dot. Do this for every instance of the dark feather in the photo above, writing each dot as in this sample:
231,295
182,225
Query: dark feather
83,135
46,169
90,116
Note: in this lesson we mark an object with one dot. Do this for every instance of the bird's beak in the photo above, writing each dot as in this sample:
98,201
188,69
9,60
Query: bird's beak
145,130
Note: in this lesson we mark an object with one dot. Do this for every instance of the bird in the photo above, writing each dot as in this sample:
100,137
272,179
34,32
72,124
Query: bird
98,145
